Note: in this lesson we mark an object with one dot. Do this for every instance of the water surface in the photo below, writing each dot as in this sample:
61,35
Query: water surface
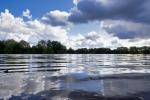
75,77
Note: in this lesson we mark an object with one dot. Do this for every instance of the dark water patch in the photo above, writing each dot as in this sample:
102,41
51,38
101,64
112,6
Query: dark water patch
19,63
71,95
133,76
81,95
80,77
25,71
26,67
13,65
13,57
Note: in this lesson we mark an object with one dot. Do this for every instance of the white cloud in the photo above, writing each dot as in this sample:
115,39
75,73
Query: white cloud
93,40
17,28
56,18
76,1
33,30
104,39
27,14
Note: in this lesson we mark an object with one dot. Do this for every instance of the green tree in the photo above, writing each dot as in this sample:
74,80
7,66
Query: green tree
2,46
49,47
144,50
70,51
12,46
122,50
41,47
58,48
25,46
134,50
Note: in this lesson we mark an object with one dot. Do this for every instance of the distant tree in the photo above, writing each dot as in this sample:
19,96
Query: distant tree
121,50
55,47
102,50
49,47
144,50
92,51
12,46
25,46
134,50
82,51
41,47
34,50
58,48
70,51
2,46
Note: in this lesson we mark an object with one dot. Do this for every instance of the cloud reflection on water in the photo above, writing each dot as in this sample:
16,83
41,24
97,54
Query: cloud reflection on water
103,75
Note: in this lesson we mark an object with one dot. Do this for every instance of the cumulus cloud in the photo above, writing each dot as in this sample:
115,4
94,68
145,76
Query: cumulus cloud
104,39
27,14
56,18
130,10
123,23
126,29
94,40
124,19
12,27
75,2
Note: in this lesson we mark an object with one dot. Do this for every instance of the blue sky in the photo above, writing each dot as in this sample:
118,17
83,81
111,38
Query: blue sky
77,23
37,7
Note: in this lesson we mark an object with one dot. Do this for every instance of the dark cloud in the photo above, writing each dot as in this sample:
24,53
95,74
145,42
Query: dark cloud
54,21
122,32
92,37
126,30
56,18
131,10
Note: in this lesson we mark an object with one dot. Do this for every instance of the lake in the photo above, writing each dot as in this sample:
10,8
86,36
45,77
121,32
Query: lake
75,77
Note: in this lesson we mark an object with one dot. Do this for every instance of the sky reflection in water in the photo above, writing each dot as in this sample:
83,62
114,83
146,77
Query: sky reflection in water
58,77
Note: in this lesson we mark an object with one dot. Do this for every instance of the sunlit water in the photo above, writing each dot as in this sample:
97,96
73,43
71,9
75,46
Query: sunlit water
75,77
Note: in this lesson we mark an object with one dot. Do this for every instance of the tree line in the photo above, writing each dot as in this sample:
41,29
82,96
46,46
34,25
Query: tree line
55,47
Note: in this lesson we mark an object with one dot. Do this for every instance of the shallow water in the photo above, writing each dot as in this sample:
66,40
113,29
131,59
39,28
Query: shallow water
75,77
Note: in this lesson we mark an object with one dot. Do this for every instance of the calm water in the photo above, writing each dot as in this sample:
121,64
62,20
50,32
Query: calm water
75,77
